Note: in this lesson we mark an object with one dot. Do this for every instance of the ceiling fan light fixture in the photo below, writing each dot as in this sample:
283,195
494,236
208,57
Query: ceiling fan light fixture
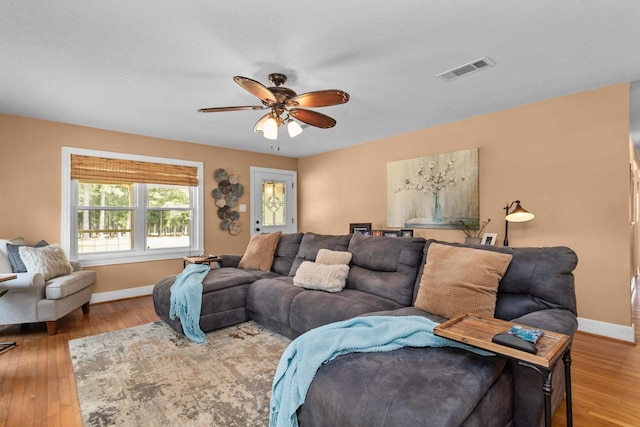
270,129
294,129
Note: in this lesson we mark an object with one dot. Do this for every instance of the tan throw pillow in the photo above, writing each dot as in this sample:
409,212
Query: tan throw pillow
328,257
49,260
260,251
329,278
460,280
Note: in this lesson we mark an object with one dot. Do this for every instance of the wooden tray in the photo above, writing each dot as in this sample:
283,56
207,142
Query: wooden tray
478,331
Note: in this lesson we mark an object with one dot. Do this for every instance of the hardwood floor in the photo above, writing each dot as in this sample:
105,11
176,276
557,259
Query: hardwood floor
38,387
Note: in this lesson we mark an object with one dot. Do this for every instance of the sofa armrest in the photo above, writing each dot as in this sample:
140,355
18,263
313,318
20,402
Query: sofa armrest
556,320
25,282
230,261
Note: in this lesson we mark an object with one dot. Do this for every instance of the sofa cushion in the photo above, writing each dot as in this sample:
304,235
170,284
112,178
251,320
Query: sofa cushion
269,302
385,266
537,279
48,260
329,278
13,251
404,387
260,251
460,280
63,286
311,309
311,243
286,252
329,257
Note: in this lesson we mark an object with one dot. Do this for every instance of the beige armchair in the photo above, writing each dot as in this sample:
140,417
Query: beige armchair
31,299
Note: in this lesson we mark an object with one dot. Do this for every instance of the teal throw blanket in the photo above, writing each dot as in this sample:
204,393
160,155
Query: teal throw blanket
186,300
307,353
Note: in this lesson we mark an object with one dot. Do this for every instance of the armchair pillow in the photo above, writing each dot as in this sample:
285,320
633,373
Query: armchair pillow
458,280
5,265
48,260
260,251
13,251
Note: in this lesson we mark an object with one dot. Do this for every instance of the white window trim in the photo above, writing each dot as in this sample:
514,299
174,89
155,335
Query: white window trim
69,224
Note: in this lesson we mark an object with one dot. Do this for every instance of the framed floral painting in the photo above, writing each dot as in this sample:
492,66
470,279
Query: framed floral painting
438,191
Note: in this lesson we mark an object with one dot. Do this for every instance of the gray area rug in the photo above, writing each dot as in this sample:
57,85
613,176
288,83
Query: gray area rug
150,375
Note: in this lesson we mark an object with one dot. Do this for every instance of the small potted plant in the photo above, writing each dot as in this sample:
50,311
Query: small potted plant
473,230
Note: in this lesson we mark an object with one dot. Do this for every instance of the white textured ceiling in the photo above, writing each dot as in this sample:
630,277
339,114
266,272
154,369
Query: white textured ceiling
145,66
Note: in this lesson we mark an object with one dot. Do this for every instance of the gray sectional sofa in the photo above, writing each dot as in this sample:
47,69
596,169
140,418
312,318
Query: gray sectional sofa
408,386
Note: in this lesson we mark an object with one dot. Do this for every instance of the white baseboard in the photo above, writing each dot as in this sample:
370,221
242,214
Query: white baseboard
122,294
610,330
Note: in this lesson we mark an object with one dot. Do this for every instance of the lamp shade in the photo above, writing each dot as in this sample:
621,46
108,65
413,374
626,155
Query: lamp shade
294,129
519,215
270,128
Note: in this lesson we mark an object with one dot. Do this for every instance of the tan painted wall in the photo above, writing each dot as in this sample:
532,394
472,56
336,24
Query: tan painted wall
566,159
558,156
30,187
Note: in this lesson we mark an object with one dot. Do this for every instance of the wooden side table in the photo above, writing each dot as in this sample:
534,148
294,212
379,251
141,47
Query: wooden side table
477,331
200,260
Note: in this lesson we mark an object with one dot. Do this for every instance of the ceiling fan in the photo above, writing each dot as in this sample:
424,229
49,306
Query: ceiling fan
283,103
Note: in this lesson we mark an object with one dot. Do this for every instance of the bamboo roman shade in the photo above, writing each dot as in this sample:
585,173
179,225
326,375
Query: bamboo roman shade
90,168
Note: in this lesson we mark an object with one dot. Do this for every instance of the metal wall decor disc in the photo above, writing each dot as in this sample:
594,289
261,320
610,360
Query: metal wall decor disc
222,212
225,187
237,190
216,193
233,215
235,228
225,225
233,178
232,200
221,203
220,175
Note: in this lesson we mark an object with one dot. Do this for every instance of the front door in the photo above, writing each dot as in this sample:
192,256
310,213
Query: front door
273,201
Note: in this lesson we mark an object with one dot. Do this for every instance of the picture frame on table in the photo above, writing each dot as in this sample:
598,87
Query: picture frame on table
406,232
489,239
360,227
376,233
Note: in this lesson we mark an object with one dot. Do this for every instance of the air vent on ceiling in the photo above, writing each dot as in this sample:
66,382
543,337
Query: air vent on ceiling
463,70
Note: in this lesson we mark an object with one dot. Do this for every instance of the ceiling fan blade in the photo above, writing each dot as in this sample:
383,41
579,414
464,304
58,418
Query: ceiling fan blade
321,98
257,89
312,118
260,123
220,109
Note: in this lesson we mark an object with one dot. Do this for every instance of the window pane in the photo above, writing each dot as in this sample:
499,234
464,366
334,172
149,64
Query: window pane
168,229
273,203
167,196
92,194
101,230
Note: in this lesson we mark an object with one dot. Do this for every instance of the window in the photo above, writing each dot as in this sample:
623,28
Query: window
123,208
274,203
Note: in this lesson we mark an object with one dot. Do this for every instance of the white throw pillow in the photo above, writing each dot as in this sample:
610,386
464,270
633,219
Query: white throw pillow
49,260
329,278
329,257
